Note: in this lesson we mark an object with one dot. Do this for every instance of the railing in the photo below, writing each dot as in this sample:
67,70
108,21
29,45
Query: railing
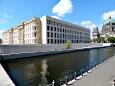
78,75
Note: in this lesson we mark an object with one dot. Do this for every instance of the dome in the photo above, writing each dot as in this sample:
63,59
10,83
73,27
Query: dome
109,20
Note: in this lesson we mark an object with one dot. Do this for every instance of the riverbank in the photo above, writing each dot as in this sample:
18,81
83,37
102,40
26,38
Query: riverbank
8,52
102,75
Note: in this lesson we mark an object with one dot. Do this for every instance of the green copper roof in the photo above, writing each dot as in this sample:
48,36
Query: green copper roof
109,21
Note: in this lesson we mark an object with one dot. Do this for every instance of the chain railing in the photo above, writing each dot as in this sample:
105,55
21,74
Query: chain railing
78,75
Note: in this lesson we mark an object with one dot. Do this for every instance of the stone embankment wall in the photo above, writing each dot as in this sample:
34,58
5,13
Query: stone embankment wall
12,49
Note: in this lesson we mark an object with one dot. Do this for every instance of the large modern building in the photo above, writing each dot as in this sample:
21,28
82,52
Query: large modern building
46,30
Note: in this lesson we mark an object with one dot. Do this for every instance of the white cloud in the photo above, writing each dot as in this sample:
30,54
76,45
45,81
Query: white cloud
63,7
108,14
56,17
2,21
88,24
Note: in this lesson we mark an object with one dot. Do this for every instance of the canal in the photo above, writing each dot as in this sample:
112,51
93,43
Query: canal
42,70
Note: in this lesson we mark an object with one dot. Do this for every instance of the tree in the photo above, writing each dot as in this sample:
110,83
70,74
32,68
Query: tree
111,39
68,44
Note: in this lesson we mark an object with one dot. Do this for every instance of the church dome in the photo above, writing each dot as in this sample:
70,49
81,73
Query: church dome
109,21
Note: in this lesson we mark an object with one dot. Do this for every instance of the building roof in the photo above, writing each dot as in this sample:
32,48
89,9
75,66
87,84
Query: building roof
109,20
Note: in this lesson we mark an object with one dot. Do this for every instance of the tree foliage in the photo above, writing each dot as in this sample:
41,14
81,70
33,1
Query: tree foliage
68,44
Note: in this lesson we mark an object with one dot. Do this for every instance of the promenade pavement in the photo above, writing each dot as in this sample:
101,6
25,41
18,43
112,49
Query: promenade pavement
4,78
101,76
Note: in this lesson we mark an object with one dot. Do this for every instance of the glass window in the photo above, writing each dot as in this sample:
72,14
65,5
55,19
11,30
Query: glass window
51,41
48,27
55,35
57,23
48,34
54,22
35,34
54,28
48,41
63,30
51,28
60,29
49,22
52,35
55,41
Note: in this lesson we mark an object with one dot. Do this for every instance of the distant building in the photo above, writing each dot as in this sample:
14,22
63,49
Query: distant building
95,32
46,30
108,29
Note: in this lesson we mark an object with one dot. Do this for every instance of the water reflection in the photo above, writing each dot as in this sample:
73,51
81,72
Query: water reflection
44,72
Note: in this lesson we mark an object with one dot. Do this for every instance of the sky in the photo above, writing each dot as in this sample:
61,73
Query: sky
87,13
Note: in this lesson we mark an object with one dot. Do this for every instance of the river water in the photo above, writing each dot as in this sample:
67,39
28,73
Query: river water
42,70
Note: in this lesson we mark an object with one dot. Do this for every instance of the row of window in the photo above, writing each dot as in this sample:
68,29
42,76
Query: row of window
57,29
30,41
57,41
30,35
65,36
59,24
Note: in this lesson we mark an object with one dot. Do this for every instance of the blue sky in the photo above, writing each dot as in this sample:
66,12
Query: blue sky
88,13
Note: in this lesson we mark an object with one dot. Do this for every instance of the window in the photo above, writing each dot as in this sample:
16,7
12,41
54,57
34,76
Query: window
63,35
63,30
60,35
48,41
48,34
51,41
55,35
60,29
54,28
51,28
55,41
52,35
49,22
54,22
48,28
35,34
57,24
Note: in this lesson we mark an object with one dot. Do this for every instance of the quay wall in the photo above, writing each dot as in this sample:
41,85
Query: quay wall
11,49
8,52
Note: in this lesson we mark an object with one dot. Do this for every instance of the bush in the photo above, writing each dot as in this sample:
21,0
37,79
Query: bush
68,44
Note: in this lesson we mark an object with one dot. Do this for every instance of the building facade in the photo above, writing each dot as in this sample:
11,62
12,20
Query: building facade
29,32
46,30
108,28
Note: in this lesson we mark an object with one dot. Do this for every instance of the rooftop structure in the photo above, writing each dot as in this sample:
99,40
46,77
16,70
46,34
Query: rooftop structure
109,27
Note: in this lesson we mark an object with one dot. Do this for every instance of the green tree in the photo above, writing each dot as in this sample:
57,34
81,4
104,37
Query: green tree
68,44
111,39
103,40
